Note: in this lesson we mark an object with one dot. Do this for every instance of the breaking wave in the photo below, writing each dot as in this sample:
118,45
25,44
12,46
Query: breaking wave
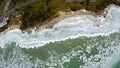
94,52
69,28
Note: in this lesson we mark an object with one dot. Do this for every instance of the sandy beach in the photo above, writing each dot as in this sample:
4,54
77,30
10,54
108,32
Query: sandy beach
15,24
63,15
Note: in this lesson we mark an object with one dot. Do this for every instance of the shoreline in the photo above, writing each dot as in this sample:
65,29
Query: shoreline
49,24
61,15
68,28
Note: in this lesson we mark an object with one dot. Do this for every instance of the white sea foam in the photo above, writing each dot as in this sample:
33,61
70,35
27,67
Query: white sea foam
94,53
112,61
69,28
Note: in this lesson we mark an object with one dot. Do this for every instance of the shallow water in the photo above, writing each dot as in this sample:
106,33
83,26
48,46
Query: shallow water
83,52
82,41
117,65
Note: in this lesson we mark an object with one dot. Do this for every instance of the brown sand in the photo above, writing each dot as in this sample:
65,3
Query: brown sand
63,15
48,24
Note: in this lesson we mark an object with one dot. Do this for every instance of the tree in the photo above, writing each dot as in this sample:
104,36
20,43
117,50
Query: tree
86,2
48,2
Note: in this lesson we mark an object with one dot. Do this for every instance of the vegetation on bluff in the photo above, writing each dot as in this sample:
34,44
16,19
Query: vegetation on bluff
45,10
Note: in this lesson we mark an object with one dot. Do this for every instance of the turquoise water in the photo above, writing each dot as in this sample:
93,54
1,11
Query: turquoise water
82,52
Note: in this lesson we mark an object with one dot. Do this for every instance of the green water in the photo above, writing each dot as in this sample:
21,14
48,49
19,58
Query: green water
73,53
117,65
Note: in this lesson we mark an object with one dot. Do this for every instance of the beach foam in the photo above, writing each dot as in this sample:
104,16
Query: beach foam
69,28
112,61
